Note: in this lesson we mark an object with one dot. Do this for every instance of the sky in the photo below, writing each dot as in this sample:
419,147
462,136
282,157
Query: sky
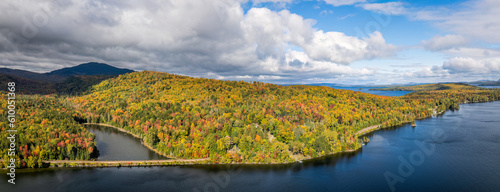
350,42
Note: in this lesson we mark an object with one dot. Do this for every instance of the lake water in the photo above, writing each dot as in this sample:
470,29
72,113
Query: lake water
374,92
491,87
457,151
116,145
362,89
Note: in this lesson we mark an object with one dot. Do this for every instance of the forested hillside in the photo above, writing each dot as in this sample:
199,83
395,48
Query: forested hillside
432,87
232,121
46,130
226,121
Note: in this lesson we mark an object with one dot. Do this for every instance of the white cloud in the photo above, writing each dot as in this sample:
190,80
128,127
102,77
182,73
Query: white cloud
268,77
343,2
347,16
325,12
472,28
214,76
301,62
200,37
438,43
474,20
428,72
340,48
243,77
470,65
473,52
272,1
389,8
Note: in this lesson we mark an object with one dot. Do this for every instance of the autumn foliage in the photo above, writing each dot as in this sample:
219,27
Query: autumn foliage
236,121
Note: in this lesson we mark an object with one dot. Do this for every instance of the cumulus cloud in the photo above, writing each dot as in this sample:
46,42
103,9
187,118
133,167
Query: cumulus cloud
200,38
470,65
340,48
446,42
389,8
431,71
300,62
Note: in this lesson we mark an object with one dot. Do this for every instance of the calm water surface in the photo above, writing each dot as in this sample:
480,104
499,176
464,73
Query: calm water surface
460,153
491,87
374,92
116,145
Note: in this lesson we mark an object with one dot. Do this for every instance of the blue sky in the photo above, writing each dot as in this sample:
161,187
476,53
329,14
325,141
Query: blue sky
278,41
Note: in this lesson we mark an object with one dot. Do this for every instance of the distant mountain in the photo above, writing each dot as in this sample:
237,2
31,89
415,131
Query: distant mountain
92,68
24,74
485,83
69,81
60,75
490,83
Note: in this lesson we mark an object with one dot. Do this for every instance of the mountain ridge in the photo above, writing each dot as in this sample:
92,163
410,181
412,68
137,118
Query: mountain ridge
59,75
68,81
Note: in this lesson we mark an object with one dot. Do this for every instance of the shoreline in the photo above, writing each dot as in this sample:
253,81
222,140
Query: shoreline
122,163
232,163
359,133
204,161
132,134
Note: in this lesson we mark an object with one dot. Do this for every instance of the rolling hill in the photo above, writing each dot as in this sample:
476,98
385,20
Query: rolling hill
59,75
432,87
236,121
226,121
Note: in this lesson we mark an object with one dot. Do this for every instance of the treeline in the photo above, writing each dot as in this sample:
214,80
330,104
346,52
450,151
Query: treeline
450,99
46,130
432,87
236,121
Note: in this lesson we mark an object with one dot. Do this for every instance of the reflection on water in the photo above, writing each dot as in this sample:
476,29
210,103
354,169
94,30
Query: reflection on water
115,145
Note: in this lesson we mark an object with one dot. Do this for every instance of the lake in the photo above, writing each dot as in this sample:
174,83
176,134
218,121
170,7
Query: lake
490,87
456,151
362,89
374,92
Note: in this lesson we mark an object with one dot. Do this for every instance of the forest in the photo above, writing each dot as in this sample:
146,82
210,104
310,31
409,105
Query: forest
46,130
226,121
432,87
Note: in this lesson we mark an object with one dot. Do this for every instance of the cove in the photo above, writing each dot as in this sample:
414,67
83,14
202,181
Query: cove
116,145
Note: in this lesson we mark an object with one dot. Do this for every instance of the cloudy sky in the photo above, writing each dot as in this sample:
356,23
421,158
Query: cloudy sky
279,41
